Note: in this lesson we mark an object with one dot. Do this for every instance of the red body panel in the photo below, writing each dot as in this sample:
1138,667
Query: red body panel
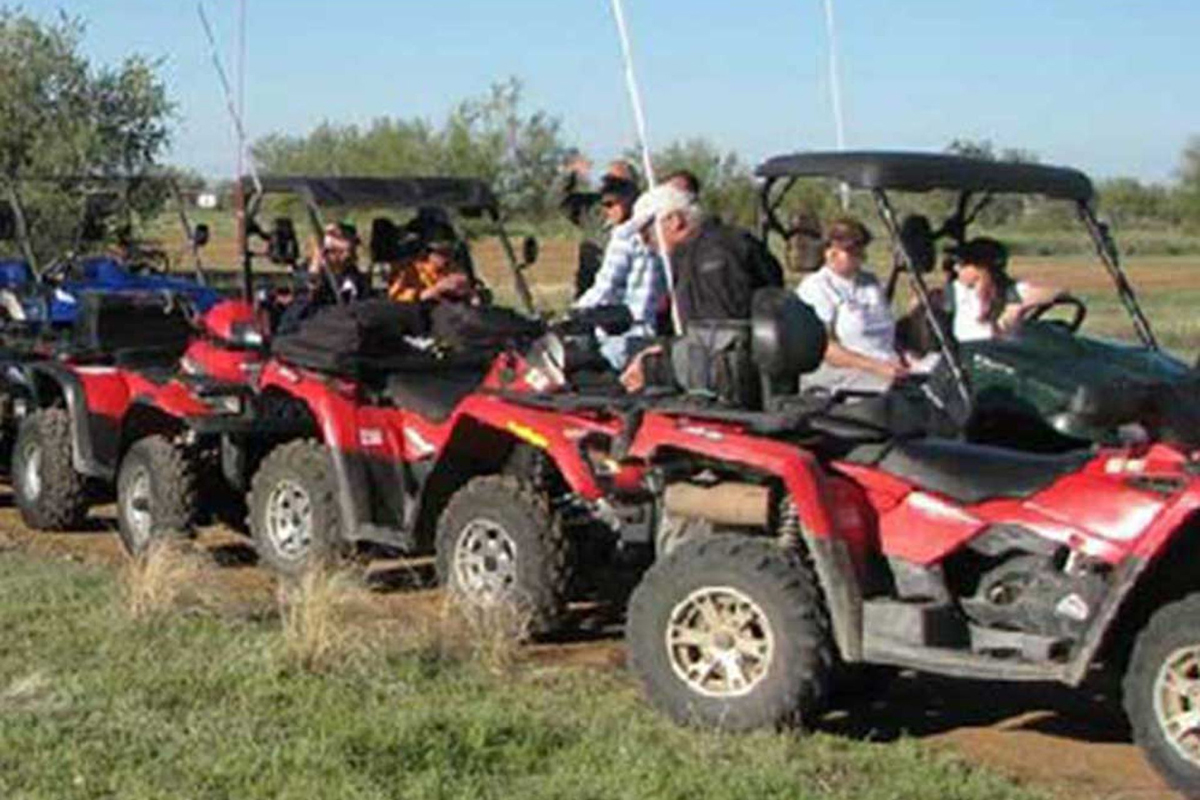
394,433
1099,510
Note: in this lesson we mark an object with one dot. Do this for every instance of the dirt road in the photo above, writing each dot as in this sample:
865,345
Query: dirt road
1073,742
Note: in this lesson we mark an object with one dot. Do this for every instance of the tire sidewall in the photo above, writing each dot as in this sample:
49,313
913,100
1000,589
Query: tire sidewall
773,701
134,460
537,587
309,465
1170,629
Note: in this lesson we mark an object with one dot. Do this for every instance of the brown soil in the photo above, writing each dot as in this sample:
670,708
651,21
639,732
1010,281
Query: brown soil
1073,742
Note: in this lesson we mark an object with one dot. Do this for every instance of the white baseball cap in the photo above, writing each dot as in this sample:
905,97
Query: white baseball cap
663,199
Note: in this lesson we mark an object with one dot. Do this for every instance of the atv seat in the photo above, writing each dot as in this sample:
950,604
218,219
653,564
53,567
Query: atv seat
972,473
433,394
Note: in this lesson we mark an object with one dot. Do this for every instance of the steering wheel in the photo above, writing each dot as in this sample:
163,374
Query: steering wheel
57,270
1072,325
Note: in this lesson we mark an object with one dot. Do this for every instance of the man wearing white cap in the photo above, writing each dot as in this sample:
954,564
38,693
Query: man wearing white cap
716,267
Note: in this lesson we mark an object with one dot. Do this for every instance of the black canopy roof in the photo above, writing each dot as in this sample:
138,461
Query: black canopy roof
457,193
921,172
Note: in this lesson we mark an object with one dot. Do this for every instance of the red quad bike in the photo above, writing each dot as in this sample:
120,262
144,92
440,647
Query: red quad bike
803,543
121,412
422,449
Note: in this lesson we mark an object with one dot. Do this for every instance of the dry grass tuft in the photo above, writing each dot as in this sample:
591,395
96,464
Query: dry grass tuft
326,618
169,576
487,635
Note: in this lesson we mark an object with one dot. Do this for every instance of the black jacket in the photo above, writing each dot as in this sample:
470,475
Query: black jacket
717,271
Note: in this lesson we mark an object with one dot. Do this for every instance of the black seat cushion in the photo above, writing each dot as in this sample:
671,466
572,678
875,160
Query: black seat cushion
972,473
434,394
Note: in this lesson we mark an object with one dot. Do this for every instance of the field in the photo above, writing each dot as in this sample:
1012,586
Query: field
213,700
111,685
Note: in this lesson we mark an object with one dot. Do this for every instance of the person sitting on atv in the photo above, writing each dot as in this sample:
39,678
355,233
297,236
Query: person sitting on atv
333,275
429,272
982,300
630,274
716,267
862,352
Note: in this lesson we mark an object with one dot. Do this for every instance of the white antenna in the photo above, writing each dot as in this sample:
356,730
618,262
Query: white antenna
230,106
835,94
639,120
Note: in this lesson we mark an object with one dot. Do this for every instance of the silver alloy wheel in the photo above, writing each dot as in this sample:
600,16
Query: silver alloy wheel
31,475
719,642
137,504
1177,702
289,520
485,561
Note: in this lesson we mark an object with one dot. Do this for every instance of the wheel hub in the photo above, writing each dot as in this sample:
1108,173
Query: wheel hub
137,506
1177,702
719,642
31,475
485,560
289,519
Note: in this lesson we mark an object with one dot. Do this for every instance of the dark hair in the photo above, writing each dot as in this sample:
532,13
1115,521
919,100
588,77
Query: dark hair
847,232
613,185
983,251
688,178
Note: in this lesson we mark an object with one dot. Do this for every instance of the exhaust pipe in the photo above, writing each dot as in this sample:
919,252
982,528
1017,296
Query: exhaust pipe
743,504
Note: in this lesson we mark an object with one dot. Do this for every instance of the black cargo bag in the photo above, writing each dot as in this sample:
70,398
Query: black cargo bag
353,337
120,323
465,328
713,359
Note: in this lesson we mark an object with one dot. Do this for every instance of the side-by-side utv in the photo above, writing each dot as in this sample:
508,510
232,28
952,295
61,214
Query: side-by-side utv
1083,387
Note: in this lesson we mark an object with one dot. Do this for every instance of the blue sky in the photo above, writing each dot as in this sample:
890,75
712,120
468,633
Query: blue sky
1112,87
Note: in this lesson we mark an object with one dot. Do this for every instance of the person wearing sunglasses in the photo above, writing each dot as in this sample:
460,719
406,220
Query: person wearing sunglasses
862,352
630,273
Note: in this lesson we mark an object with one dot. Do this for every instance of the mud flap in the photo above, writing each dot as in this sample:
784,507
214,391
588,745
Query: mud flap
843,595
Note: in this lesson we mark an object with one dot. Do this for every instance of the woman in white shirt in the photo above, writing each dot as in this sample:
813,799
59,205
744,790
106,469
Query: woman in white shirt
983,301
849,300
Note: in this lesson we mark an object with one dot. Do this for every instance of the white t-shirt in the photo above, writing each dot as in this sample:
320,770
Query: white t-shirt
859,315
968,308
855,309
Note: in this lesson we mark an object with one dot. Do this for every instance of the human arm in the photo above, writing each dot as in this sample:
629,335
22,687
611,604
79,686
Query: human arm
1028,296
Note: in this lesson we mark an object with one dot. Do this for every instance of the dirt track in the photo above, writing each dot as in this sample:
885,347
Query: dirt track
1073,742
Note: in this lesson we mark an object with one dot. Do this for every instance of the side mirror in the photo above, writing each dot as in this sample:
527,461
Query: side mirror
200,235
917,239
282,245
529,251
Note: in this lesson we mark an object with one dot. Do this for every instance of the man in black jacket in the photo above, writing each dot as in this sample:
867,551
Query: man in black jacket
715,267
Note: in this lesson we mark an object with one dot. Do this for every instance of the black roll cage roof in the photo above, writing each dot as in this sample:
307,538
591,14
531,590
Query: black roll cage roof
923,172
467,196
880,171
93,187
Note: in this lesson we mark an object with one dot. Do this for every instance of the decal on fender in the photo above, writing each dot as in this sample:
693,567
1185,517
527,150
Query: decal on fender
370,437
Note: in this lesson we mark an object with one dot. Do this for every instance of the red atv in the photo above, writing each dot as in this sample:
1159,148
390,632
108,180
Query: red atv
419,449
799,543
119,412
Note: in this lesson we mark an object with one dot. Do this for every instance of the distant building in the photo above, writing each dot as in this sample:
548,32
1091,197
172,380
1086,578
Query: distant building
207,200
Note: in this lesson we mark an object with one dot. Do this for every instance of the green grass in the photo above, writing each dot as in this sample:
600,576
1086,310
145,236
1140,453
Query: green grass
198,705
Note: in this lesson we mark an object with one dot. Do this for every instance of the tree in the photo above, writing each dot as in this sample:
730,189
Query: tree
61,117
1189,183
727,185
489,137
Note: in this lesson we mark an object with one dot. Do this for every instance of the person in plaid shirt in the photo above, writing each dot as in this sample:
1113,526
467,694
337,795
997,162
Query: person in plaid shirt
630,274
